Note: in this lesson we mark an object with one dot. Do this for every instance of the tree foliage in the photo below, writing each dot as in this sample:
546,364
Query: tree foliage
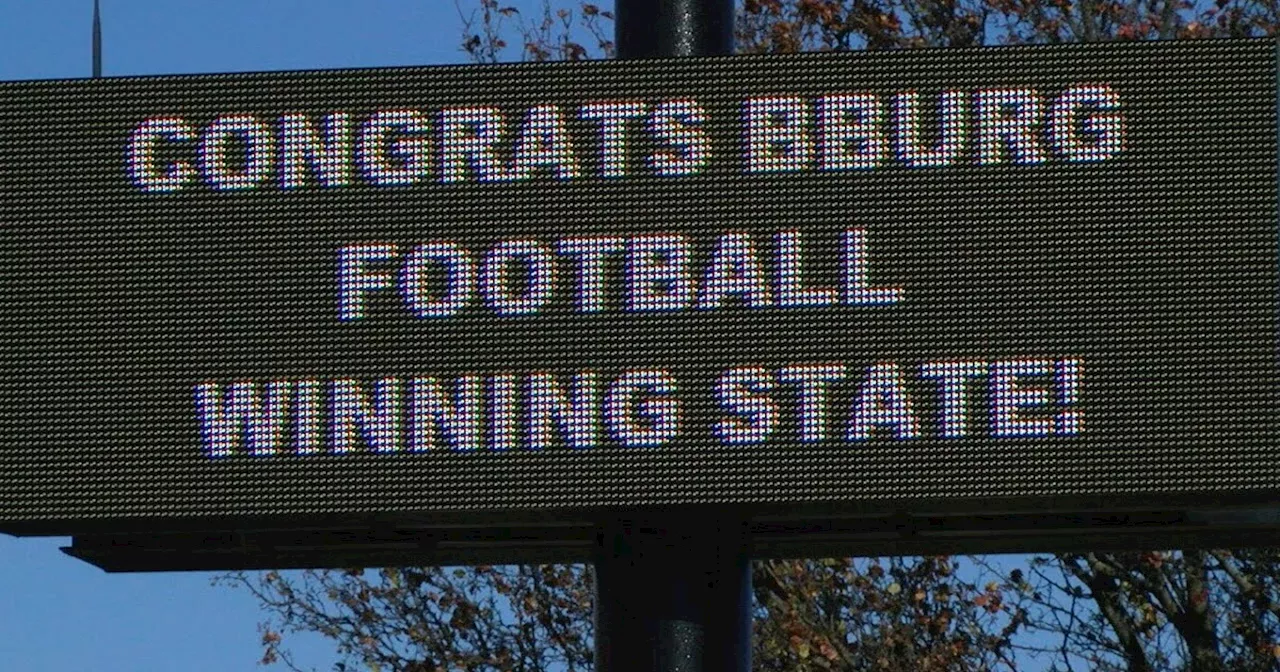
871,614
581,29
878,614
424,619
1192,611
1158,611
1195,610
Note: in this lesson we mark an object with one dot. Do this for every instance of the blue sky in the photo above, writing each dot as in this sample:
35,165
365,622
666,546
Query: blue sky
58,614
50,39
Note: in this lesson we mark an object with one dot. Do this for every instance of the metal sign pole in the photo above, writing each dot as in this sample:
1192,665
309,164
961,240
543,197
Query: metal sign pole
673,595
665,28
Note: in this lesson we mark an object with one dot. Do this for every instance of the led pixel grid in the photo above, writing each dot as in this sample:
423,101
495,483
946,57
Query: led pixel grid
927,280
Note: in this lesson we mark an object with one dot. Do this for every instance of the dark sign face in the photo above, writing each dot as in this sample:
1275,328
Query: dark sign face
923,281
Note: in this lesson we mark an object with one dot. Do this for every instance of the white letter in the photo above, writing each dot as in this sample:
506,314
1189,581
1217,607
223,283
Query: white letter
402,161
735,269
502,409
952,135
309,421
353,279
756,414
355,416
857,289
544,143
613,133
882,402
591,253
813,381
658,275
678,123
331,158
459,283
624,404
468,136
222,169
1094,137
433,413
851,143
1067,374
500,291
1009,397
777,139
241,418
577,414
791,290
1006,118
954,377
140,155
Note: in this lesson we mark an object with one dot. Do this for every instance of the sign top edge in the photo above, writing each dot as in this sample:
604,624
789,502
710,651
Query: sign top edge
1262,44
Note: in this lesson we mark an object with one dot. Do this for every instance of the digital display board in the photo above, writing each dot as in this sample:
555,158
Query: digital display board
960,280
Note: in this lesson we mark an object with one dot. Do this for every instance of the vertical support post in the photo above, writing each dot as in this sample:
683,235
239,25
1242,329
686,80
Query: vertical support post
673,595
665,28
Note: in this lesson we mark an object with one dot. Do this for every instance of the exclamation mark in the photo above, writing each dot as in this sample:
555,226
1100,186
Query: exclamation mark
1069,419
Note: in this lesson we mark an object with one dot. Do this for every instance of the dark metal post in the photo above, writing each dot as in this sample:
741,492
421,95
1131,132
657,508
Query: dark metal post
672,598
658,28
673,595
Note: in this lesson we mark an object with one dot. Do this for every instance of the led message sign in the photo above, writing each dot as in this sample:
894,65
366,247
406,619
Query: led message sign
928,280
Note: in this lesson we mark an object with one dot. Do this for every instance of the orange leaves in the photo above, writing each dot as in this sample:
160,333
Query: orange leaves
827,651
990,599
271,641
784,37
887,613
800,646
773,7
557,33
813,646
824,12
1195,30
